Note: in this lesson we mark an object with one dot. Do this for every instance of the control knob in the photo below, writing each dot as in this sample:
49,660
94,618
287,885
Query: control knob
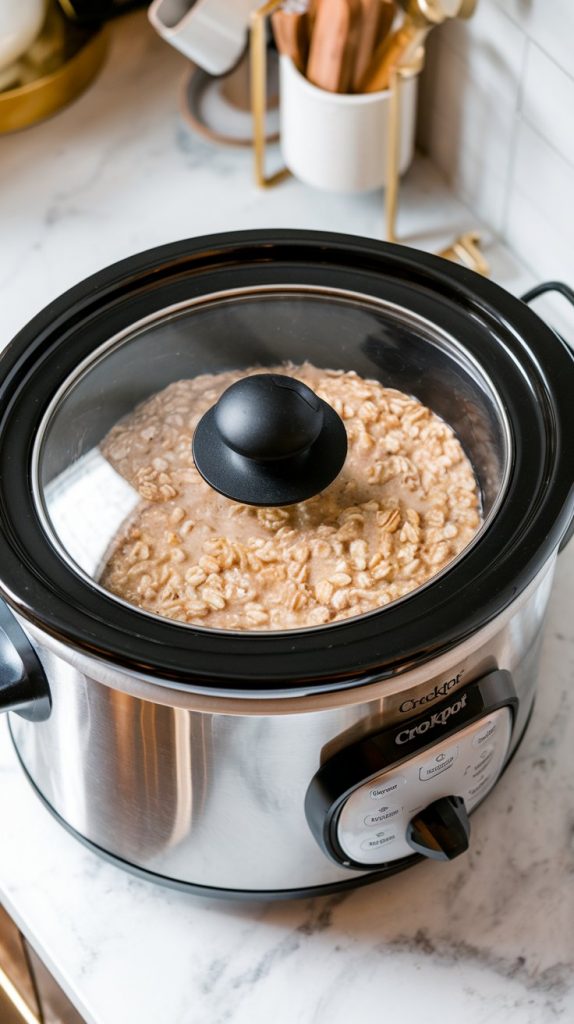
440,831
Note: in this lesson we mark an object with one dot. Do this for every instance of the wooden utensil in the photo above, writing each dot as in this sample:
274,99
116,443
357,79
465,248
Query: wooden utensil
334,44
291,31
371,11
386,17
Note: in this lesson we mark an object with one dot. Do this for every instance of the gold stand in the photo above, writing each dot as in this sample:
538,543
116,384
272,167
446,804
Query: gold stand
391,192
258,58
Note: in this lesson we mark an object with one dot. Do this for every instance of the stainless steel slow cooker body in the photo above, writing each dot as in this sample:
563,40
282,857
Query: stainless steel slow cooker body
276,763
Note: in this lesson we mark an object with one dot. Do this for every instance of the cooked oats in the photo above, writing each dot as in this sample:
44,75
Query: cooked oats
405,505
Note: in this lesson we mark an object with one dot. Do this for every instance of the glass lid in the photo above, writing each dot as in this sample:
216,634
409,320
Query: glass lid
271,458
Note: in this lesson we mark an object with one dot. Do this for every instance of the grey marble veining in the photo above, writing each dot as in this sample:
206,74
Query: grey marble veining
488,939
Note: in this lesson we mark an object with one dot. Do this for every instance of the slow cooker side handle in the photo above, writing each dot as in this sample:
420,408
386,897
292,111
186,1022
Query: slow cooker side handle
23,684
567,293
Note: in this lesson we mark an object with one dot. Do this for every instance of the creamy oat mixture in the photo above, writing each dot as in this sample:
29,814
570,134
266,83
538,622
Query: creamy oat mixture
404,505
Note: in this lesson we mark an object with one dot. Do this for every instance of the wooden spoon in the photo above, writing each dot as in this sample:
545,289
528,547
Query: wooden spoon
334,44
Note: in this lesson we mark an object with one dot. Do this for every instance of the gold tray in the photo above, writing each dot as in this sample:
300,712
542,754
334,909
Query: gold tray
57,68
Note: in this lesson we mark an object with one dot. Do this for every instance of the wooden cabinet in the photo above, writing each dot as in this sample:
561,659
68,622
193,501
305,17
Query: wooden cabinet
28,992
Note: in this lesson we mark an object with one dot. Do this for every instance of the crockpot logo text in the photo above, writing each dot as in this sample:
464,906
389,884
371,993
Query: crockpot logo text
438,691
440,718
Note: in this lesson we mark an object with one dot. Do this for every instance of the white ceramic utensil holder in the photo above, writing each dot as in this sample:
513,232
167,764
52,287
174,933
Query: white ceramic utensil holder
338,141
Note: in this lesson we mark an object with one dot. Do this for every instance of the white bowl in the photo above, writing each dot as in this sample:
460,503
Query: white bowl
20,23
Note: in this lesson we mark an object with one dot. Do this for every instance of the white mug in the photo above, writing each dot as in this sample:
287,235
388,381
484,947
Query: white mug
211,33
338,141
20,23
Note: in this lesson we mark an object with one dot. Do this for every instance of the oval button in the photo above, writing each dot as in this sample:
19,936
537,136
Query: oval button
438,764
474,790
484,735
484,760
375,842
382,815
388,788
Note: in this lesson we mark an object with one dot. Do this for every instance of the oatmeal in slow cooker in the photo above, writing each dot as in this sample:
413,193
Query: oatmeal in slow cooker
404,505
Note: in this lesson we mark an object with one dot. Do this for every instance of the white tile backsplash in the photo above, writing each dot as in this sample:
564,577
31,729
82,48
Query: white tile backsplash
549,23
548,100
545,179
529,231
479,118
497,116
473,175
492,46
469,101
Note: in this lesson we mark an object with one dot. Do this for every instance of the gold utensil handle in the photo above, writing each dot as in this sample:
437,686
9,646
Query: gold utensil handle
395,51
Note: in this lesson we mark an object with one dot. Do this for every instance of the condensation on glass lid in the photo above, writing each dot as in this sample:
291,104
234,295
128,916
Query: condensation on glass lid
405,505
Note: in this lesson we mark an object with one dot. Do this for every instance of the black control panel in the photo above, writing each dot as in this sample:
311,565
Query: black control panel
410,788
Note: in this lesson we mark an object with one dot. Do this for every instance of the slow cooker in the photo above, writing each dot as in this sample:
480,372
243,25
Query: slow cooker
271,763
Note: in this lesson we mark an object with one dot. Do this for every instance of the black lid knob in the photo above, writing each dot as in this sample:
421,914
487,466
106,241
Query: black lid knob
269,440
269,417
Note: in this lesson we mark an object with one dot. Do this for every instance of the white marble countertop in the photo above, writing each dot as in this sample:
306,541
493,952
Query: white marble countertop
489,938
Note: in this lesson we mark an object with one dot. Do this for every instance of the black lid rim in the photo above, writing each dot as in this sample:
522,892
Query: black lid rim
526,531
